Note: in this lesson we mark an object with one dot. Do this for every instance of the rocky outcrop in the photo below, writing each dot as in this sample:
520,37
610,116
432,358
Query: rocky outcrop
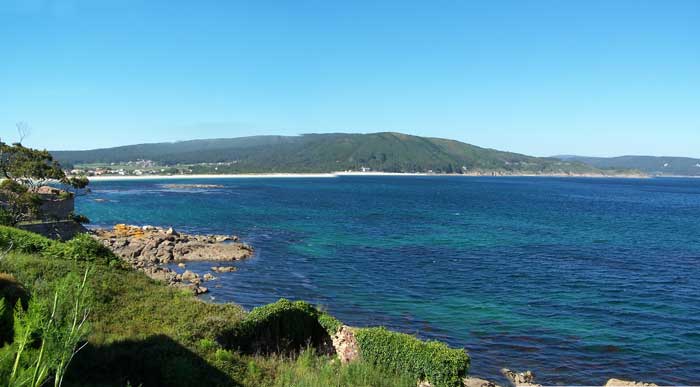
223,269
155,245
478,382
626,383
150,248
345,345
520,379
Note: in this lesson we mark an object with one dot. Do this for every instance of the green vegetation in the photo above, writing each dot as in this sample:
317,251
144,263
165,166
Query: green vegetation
81,248
669,166
46,336
144,333
281,327
388,152
23,170
311,370
405,354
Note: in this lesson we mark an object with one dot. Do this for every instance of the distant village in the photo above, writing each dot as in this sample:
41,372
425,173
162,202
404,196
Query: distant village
144,167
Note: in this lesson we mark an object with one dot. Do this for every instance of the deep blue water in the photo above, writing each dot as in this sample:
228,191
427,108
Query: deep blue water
576,279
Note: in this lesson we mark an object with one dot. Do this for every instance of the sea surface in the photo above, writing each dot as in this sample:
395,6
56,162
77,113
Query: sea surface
577,279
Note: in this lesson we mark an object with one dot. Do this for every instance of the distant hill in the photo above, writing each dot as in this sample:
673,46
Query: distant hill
658,166
387,152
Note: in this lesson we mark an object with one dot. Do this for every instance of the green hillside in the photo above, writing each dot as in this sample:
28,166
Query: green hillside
386,152
659,166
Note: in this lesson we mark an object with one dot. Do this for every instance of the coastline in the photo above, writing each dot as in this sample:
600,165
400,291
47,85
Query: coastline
331,175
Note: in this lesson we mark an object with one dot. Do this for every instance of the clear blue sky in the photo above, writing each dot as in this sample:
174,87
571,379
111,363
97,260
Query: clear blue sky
539,77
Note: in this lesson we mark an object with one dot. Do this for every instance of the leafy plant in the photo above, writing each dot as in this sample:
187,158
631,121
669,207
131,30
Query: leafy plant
423,360
47,336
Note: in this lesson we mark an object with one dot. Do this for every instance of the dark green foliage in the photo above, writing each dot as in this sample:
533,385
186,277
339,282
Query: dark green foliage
23,241
17,203
388,152
281,327
28,166
6,218
81,248
11,293
78,218
423,360
329,323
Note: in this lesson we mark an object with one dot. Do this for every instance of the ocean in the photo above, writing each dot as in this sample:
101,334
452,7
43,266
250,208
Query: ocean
576,279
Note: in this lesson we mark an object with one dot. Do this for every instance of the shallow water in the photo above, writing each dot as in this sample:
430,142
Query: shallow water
576,279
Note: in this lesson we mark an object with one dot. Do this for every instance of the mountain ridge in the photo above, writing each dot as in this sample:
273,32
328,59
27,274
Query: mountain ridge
330,152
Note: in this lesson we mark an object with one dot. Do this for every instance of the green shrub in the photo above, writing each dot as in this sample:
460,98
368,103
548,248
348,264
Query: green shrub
78,218
423,360
12,294
283,326
224,355
329,323
23,241
5,217
81,248
207,344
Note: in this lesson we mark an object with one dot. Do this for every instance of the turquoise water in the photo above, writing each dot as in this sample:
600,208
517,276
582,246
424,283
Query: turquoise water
576,279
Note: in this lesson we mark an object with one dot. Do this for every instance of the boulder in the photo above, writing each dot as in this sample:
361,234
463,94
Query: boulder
189,276
209,277
477,382
345,345
626,383
520,379
223,269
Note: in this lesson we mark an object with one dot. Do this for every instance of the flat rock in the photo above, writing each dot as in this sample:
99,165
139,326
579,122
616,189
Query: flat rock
477,382
150,248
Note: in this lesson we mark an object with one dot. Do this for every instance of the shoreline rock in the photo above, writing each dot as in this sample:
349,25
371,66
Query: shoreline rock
150,248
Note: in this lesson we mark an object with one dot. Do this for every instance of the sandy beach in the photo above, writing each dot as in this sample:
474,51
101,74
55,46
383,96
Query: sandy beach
332,175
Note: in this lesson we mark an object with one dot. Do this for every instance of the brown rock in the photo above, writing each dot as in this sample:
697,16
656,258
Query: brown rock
345,345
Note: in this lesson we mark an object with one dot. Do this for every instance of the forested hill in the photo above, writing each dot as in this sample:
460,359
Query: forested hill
387,152
659,166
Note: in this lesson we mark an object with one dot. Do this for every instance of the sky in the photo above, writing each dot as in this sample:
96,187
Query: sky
586,77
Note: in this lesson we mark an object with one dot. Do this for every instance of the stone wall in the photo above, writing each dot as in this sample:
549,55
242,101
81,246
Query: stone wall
54,208
62,230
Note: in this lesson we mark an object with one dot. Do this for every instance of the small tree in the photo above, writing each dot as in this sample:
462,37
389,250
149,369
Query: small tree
24,170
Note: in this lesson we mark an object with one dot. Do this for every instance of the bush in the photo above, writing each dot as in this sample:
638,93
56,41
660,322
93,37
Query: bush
81,248
5,217
23,241
423,360
283,326
329,323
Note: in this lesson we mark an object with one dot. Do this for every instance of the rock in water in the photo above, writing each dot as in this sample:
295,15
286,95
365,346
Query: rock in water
149,248
520,379
626,383
477,382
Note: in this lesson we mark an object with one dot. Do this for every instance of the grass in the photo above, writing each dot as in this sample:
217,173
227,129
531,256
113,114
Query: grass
311,370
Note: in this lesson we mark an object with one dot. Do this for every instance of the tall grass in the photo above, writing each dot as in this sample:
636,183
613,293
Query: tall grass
46,336
311,370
